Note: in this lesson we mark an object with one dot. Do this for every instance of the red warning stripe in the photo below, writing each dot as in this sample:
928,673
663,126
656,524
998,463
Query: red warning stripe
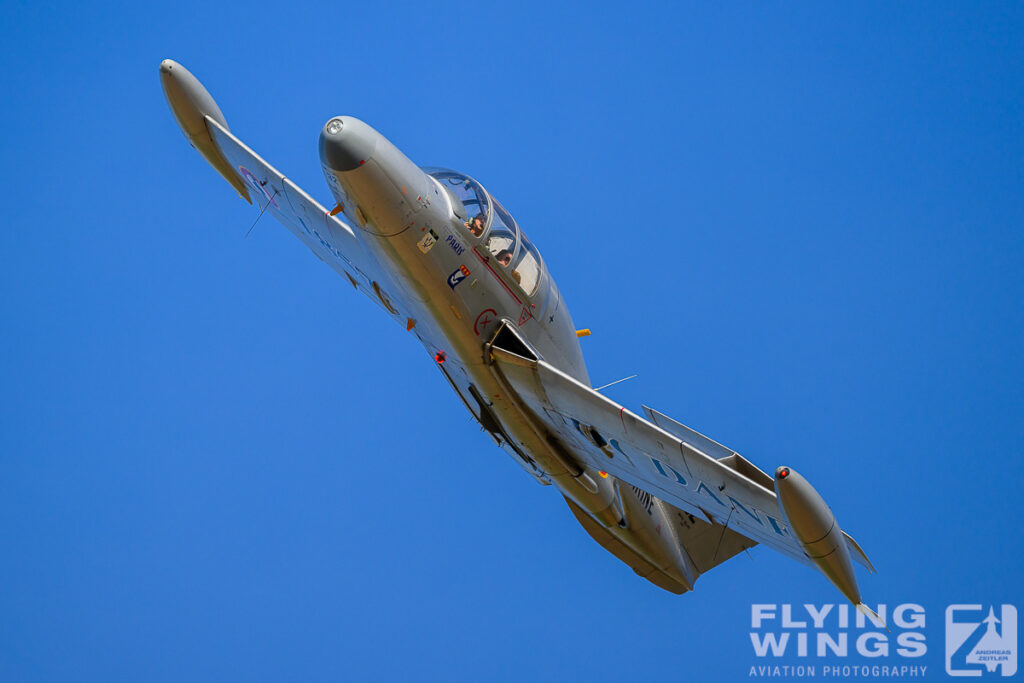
500,279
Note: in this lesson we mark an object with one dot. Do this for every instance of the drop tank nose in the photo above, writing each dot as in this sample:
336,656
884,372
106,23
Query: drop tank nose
812,523
191,103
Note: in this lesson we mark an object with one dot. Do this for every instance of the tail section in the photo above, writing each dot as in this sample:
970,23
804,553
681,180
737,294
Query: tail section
868,612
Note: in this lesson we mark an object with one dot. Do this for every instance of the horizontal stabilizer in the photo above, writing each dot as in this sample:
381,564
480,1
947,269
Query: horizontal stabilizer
871,614
707,544
857,554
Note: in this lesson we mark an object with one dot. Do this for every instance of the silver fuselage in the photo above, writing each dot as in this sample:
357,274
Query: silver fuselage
414,229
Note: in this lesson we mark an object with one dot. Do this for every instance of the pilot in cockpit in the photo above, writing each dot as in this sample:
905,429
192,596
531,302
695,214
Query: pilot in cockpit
476,225
504,257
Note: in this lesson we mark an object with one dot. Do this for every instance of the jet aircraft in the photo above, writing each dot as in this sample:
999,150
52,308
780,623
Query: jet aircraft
443,258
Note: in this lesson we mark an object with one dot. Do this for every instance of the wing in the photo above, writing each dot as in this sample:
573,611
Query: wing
258,182
661,456
332,240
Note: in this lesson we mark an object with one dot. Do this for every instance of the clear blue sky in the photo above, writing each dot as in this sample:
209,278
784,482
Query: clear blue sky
803,227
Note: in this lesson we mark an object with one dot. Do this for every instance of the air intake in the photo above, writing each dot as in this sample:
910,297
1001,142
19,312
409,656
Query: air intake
507,339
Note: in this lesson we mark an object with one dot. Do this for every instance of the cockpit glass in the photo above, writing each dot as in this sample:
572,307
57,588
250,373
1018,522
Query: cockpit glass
469,200
482,215
526,270
502,242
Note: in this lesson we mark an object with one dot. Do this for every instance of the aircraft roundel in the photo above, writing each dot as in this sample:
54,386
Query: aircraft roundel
255,184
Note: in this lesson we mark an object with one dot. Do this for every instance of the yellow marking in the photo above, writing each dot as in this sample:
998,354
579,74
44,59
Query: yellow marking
456,312
585,332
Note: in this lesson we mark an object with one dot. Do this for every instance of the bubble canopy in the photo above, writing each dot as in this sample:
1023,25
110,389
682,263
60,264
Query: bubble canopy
486,222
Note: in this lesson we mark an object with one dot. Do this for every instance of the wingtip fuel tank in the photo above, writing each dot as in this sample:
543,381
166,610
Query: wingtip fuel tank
191,104
813,524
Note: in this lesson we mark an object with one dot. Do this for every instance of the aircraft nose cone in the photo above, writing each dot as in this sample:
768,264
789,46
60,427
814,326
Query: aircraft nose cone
346,143
167,65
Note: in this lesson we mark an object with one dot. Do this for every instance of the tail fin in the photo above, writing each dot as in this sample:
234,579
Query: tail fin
857,554
868,612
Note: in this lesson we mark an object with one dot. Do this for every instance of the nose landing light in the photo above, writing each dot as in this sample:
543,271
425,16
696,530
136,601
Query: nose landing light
346,143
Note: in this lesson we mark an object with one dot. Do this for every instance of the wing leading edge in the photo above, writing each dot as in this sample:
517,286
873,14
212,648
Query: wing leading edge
329,238
661,456
259,183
